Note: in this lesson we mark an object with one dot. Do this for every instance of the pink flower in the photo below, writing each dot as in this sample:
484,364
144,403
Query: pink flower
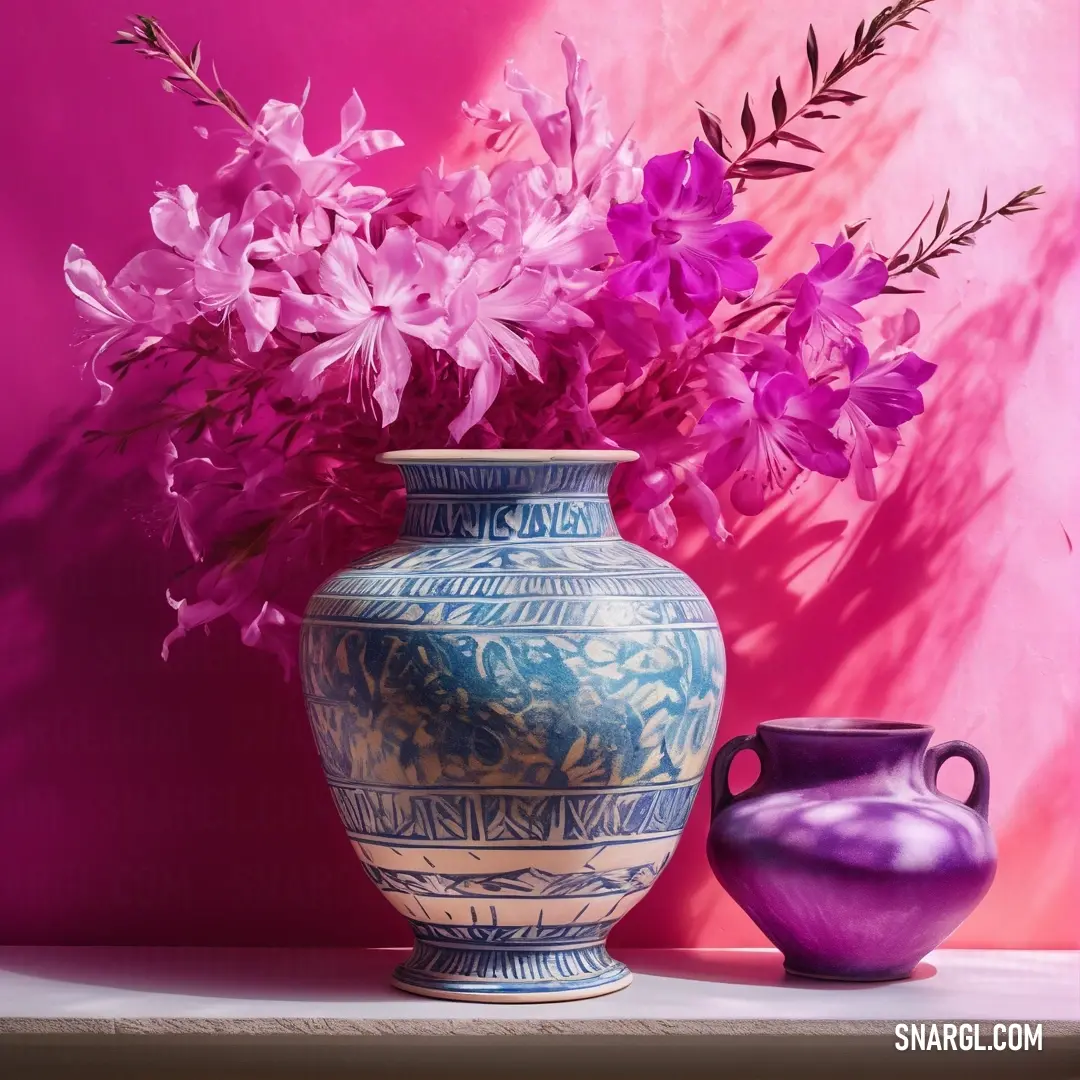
882,396
178,223
228,591
674,242
576,135
439,208
485,313
549,230
121,314
226,281
764,429
498,121
823,300
315,183
373,321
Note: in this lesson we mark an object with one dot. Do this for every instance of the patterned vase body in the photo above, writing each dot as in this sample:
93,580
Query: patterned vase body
844,852
514,707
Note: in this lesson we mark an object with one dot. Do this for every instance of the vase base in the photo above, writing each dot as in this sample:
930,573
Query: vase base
870,977
510,975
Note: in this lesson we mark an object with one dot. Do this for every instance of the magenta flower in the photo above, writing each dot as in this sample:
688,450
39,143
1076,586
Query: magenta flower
765,429
882,396
823,301
675,242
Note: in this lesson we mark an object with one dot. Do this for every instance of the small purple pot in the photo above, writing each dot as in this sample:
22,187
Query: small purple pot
843,851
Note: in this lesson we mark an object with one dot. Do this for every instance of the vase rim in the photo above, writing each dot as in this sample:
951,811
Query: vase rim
502,457
843,726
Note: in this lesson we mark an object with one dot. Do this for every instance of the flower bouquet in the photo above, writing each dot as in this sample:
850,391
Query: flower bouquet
293,322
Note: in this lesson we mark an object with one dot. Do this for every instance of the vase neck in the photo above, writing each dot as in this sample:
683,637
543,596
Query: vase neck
807,758
521,502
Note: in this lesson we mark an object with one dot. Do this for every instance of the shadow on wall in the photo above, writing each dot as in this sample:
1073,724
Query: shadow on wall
142,801
786,647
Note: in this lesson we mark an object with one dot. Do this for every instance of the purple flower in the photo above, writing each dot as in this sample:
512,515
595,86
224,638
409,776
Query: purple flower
765,428
824,300
882,396
674,242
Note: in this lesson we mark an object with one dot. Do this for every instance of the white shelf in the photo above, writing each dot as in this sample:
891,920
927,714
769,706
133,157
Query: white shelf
346,991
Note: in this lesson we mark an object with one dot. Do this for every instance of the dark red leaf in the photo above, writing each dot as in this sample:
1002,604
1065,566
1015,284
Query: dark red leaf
812,56
894,289
749,127
817,114
851,230
859,33
844,97
943,217
926,268
768,169
714,134
779,105
798,140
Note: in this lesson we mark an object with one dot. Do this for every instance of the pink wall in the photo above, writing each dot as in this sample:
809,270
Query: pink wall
183,803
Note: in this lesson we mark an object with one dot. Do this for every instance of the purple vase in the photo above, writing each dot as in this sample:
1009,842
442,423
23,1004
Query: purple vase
843,851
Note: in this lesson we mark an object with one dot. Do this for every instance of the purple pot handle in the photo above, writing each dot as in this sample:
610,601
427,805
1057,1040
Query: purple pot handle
979,799
722,796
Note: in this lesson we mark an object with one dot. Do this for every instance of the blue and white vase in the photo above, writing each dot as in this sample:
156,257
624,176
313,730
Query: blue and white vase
514,707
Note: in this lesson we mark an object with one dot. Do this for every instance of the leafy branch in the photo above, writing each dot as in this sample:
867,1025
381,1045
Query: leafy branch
152,41
943,243
868,43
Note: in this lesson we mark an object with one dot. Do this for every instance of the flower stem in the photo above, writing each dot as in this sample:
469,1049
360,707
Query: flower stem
147,32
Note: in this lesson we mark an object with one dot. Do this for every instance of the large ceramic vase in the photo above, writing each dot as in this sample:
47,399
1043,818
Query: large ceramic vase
843,851
514,708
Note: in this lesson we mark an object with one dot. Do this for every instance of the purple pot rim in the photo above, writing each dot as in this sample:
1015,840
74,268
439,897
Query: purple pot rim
844,726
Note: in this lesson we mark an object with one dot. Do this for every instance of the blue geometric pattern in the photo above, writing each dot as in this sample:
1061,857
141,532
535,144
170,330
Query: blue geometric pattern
376,813
519,971
457,519
527,881
514,708
502,935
